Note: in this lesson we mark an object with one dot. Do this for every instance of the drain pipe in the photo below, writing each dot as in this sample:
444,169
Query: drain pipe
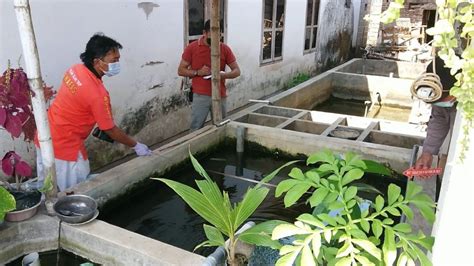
414,154
261,101
240,134
38,102
218,256
31,259
367,108
222,123
240,139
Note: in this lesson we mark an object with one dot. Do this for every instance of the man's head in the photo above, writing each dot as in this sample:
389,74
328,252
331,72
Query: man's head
206,31
102,54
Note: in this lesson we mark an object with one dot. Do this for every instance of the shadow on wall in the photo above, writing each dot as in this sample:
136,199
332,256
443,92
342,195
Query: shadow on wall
336,51
150,123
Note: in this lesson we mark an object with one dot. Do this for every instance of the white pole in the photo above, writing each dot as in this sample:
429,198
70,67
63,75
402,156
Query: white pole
33,71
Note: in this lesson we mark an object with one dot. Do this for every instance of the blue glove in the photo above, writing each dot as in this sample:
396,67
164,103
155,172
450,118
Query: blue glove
142,149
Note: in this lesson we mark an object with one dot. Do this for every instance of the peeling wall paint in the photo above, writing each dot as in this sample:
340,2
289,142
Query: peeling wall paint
146,96
147,7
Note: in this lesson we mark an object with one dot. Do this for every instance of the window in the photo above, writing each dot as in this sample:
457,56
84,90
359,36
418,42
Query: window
311,27
273,25
196,13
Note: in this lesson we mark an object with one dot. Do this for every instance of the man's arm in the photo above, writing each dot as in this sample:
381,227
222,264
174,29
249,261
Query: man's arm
233,73
438,128
185,71
118,135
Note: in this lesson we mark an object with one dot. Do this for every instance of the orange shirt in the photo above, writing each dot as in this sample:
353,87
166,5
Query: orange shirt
198,54
81,102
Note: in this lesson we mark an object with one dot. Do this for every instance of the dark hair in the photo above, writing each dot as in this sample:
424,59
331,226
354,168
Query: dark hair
444,73
207,25
97,47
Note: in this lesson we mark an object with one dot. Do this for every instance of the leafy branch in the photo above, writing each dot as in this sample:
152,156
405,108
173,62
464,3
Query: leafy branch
344,232
455,24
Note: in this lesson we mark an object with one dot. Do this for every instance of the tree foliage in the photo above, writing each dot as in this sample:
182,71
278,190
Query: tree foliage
452,34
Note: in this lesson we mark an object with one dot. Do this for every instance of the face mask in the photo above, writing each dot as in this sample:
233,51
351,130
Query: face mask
444,104
114,69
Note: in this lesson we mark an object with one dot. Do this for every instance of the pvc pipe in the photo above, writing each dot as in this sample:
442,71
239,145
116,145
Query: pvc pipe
260,101
33,71
31,259
218,256
240,139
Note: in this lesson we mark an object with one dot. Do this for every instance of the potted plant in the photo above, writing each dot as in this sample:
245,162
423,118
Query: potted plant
27,200
16,117
340,231
214,206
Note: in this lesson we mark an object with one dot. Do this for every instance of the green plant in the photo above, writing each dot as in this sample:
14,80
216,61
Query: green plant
215,207
7,203
300,78
340,231
16,116
446,34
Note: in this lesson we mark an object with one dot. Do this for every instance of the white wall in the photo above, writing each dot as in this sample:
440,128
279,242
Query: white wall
453,230
146,99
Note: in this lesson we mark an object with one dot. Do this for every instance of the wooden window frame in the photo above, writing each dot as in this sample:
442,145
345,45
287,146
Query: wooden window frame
313,26
207,15
273,30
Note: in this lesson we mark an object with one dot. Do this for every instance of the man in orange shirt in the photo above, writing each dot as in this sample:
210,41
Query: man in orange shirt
195,63
81,103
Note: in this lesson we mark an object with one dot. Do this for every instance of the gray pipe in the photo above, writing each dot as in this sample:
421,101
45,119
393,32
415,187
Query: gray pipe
260,101
414,154
218,257
240,139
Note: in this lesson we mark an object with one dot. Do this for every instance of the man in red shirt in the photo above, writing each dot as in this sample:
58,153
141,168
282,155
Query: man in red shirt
195,63
81,103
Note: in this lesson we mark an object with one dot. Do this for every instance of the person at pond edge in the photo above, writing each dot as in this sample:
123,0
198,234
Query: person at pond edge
195,64
442,117
82,102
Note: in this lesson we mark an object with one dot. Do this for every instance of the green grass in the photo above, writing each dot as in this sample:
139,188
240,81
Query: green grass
300,78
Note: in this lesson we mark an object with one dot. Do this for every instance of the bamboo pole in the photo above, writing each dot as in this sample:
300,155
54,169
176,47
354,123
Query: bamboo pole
33,71
215,62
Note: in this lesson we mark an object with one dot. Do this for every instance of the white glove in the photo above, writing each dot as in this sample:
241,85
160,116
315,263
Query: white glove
142,149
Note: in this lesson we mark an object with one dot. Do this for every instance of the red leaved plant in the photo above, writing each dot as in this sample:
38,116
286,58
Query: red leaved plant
16,116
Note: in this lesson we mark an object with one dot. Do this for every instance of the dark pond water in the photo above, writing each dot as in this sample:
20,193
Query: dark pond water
50,258
357,108
155,211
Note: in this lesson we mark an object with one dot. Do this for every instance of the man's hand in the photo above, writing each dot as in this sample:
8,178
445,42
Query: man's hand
425,161
204,71
142,149
48,92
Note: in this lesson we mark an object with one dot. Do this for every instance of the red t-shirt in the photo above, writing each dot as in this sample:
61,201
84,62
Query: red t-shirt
198,54
81,102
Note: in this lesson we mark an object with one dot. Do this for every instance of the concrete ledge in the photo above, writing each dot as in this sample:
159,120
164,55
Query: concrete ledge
110,245
118,180
393,91
305,143
40,233
97,241
397,69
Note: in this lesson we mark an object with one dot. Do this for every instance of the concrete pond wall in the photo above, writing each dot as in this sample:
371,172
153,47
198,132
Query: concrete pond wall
284,125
